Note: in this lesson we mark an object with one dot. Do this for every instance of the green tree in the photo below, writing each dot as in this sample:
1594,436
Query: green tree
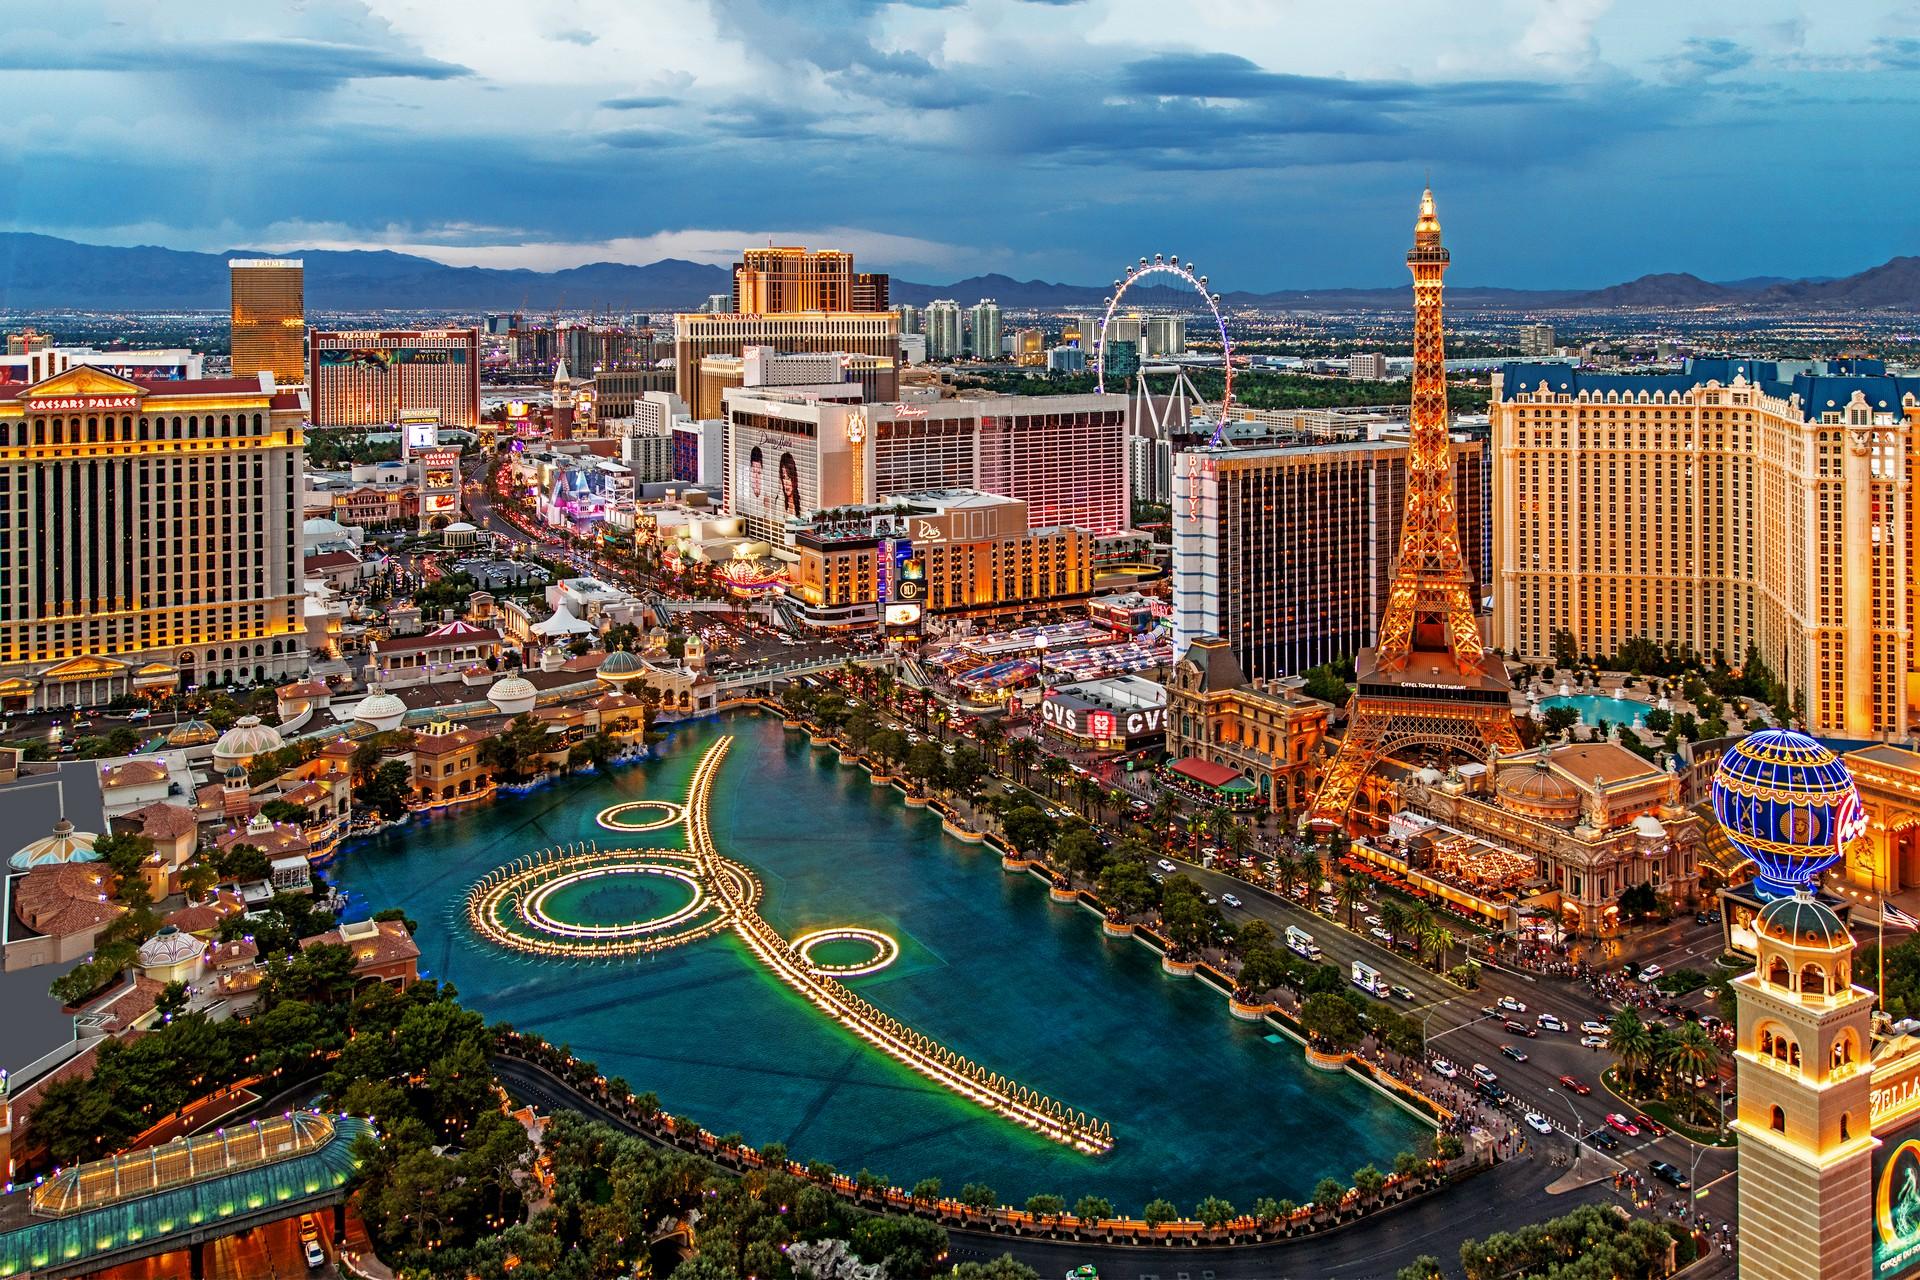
1092,1208
1214,1212
391,786
1331,1022
1632,1043
1369,1182
1077,851
1424,1267
1328,1195
927,1190
978,1195
1028,830
1043,1207
1001,1268
1159,1212
1352,896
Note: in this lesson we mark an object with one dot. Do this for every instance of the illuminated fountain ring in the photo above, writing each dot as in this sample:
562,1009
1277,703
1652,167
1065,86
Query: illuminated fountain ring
670,815
510,907
885,951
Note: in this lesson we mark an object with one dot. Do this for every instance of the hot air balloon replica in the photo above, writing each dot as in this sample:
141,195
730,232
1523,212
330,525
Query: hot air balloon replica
1788,803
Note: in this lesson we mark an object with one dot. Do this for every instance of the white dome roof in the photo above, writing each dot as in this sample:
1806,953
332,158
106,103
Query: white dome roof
64,845
1648,827
512,689
320,524
459,526
169,947
248,737
379,706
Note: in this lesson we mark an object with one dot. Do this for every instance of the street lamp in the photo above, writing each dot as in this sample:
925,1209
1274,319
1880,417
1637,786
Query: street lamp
1568,1099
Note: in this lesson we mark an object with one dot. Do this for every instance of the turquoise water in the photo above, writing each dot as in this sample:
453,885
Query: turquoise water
1200,1104
1595,709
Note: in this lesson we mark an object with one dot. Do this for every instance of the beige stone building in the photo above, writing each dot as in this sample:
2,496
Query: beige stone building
1595,818
1740,503
1267,730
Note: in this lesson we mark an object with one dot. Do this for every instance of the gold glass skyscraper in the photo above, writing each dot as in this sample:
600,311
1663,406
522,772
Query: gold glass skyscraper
269,318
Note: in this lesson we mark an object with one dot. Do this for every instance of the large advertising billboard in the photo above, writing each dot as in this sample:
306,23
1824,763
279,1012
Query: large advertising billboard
775,477
1896,1202
384,358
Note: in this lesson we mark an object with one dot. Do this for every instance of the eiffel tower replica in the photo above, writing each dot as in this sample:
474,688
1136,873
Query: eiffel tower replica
1427,681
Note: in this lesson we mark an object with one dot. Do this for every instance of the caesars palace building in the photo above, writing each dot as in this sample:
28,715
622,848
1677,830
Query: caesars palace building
149,536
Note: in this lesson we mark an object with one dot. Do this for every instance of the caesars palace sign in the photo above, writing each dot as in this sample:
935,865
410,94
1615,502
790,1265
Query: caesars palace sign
1102,725
82,404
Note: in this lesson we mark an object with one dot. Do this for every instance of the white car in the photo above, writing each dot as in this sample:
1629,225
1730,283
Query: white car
1381,934
1374,921
1592,1028
1231,900
1446,1070
1538,1123
1511,1005
1593,1042
1549,1022
1651,972
1165,865
1484,1074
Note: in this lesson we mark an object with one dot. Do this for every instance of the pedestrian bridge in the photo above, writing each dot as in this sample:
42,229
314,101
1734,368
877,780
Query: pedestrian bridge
177,1196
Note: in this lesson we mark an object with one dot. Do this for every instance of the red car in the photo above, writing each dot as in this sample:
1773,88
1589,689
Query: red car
1573,1084
1620,1123
1651,1125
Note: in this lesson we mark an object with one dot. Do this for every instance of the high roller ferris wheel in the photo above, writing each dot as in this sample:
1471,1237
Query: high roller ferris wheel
1184,390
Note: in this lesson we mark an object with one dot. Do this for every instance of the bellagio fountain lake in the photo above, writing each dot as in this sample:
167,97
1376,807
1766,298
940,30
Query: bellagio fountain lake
918,925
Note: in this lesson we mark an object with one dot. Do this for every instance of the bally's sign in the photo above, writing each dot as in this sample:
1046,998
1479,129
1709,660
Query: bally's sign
1100,725
82,404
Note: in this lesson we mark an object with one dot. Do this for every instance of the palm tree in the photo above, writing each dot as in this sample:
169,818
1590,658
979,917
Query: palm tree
1632,1042
1237,839
1689,1055
1085,792
1420,921
1020,754
1053,769
1352,892
1393,918
1312,872
1286,873
1437,936
993,735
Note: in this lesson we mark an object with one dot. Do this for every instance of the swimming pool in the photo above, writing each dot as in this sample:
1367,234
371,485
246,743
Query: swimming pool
1595,709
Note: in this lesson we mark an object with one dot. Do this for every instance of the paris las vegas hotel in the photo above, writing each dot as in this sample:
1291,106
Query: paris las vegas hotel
1740,502
148,535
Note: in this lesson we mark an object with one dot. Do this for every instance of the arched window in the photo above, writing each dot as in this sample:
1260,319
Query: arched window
1778,973
1793,1054
1813,980
1846,1133
1766,1041
1779,1120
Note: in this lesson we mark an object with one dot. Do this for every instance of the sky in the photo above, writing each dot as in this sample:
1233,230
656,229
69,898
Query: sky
1275,143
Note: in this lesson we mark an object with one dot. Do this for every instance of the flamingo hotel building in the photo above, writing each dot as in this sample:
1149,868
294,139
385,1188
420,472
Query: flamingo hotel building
149,536
1739,503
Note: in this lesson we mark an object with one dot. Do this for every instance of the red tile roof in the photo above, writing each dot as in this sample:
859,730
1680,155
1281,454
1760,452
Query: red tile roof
437,640
329,560
1205,772
163,821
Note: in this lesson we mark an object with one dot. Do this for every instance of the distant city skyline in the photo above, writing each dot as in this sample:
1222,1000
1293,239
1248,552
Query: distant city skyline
1573,144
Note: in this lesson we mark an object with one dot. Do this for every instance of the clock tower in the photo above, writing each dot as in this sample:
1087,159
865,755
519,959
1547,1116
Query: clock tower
1805,1098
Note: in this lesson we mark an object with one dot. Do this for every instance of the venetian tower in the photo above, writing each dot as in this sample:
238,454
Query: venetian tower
1427,679
1805,1100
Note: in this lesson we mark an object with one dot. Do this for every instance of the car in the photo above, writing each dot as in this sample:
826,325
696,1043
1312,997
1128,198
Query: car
1592,1028
1511,1005
1445,1069
1164,865
1210,899
309,1228
1231,900
315,1256
1488,1011
1538,1123
1520,1028
1484,1074
1374,921
1493,1093
1405,993
1593,1042
1603,1140
1670,1175
1651,1125
1549,1022
138,714
1620,1124
1651,972
1574,1084
1381,935
1518,1055
1156,877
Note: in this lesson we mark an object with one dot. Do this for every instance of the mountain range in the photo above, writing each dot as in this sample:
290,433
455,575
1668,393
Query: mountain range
45,273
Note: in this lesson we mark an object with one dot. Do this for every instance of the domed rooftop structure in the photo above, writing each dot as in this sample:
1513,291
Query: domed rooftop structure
1802,921
169,947
192,733
1788,803
1537,789
248,738
513,695
459,526
382,711
620,666
63,845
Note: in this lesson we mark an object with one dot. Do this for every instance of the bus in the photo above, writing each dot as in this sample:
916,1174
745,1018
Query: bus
1368,979
1301,943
